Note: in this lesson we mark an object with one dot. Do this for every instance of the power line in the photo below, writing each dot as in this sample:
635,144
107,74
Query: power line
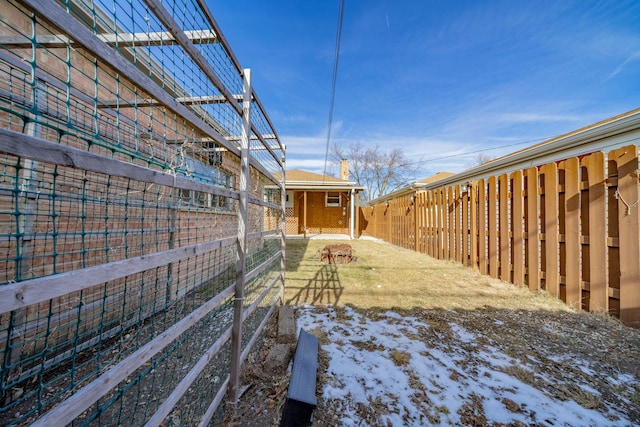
477,151
333,83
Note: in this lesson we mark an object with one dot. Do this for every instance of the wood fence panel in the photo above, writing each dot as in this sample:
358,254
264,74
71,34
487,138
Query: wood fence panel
431,218
457,195
627,195
433,250
613,239
465,227
418,232
401,223
517,228
492,223
473,224
550,256
420,213
451,226
433,223
571,228
594,255
435,209
396,231
442,221
411,229
533,229
571,256
504,236
482,227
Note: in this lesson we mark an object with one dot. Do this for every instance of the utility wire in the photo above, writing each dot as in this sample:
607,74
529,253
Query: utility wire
333,84
476,151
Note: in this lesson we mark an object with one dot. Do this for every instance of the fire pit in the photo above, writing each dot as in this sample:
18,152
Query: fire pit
337,254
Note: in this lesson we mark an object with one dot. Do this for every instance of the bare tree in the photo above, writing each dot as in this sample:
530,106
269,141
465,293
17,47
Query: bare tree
481,158
378,171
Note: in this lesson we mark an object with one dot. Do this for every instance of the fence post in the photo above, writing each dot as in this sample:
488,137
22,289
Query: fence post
473,225
451,208
482,226
504,240
442,223
241,254
465,226
492,223
550,227
517,229
283,225
594,215
627,195
458,220
533,230
570,262
418,212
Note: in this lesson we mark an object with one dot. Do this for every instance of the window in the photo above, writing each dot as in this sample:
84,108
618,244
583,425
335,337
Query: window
333,199
209,170
210,201
289,199
271,195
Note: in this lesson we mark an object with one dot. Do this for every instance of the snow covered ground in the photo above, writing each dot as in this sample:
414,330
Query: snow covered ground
389,369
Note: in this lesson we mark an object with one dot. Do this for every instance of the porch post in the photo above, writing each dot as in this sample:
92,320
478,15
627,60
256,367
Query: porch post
304,214
352,209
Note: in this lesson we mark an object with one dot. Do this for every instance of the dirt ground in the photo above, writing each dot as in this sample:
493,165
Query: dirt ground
550,343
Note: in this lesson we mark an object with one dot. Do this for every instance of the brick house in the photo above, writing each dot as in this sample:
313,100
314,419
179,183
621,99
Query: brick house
320,204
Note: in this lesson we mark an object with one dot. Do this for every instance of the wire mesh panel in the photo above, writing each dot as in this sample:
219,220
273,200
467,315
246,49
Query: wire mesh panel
120,172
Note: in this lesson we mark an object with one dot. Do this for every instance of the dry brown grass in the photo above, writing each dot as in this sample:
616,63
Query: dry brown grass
548,342
386,276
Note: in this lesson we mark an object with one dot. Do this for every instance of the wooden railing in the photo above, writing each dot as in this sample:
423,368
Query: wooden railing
569,227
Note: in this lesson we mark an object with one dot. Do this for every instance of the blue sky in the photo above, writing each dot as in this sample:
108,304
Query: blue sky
438,78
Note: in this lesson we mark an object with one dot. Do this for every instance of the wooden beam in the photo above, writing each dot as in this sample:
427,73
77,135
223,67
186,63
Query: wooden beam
262,267
241,242
167,406
75,405
45,77
165,17
253,138
29,147
186,100
67,23
211,410
158,38
22,294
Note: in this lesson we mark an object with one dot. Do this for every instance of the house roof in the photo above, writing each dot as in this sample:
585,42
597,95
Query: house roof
437,177
411,188
608,134
305,176
297,179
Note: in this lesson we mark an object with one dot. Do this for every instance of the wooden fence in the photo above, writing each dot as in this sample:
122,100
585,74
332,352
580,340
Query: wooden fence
569,227
141,220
